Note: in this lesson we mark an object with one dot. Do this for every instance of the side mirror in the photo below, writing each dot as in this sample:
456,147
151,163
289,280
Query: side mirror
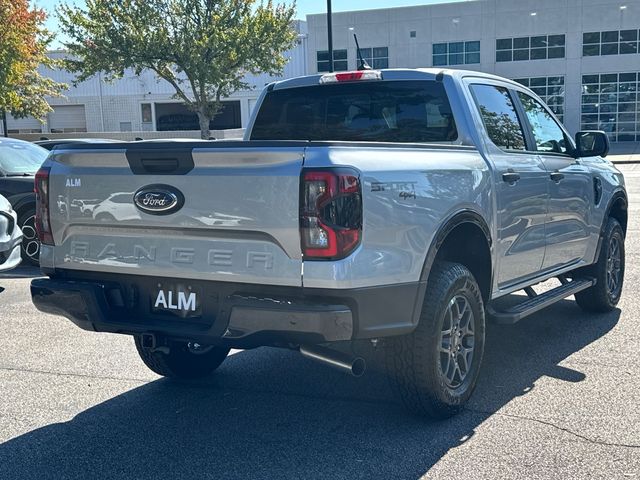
592,143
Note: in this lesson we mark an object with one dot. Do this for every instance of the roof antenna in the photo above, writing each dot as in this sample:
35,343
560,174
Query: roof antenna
362,64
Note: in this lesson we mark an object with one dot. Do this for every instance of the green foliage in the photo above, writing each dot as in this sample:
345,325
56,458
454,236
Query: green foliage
23,43
203,48
503,130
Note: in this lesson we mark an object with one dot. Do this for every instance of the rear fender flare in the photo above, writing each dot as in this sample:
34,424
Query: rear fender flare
456,219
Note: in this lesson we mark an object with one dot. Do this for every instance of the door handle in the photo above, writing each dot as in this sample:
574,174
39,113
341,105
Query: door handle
510,177
556,176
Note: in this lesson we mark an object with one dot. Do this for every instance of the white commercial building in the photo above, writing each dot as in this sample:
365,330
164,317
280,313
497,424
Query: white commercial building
581,56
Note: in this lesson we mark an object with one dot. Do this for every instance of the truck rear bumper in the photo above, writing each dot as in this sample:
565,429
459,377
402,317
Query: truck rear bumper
236,315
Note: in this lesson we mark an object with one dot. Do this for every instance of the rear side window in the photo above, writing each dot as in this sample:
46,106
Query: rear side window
392,111
499,116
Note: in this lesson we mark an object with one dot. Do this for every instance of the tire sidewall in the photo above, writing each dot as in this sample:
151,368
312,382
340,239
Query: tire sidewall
466,286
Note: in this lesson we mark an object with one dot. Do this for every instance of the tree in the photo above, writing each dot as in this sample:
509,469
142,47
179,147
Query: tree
503,129
23,45
203,48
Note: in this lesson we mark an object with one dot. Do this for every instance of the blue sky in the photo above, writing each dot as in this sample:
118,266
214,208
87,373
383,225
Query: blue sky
304,6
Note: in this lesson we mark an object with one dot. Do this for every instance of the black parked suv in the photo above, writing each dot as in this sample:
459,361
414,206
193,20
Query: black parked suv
19,162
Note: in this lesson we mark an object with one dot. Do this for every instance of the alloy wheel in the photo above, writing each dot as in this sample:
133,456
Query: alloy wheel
457,341
30,242
614,266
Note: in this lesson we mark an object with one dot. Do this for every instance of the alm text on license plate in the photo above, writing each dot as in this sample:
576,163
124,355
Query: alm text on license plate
179,300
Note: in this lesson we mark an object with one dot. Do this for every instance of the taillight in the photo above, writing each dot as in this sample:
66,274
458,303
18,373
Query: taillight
43,219
330,213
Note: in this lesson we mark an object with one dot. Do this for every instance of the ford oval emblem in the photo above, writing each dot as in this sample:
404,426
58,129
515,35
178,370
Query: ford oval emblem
159,199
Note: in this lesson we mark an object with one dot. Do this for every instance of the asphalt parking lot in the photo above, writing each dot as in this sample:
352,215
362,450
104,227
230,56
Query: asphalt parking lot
559,397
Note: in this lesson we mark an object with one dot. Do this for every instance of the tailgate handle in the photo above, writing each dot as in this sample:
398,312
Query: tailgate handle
160,161
159,165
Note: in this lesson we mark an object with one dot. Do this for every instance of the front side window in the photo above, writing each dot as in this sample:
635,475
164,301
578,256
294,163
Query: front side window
499,116
550,90
547,134
391,111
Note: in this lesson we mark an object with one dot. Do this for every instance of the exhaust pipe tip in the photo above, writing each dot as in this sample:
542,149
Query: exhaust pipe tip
358,367
355,366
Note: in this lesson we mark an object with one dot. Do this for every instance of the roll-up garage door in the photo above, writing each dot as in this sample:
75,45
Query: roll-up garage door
23,125
67,118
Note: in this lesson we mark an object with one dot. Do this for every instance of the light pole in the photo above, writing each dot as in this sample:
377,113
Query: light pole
330,35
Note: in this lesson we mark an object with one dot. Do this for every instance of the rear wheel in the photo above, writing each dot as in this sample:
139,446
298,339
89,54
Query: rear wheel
435,368
608,272
182,360
30,247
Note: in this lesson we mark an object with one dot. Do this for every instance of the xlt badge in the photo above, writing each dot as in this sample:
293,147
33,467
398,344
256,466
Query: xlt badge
159,199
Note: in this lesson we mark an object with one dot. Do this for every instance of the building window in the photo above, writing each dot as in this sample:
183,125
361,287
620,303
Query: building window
615,42
377,57
456,53
609,103
339,60
145,109
530,48
550,90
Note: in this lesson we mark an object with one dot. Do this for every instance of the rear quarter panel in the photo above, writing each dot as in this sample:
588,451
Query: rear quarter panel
408,193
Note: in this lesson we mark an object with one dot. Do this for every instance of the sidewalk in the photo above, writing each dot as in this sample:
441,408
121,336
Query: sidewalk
624,158
623,152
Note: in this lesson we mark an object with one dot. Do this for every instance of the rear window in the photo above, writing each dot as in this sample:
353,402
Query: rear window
392,111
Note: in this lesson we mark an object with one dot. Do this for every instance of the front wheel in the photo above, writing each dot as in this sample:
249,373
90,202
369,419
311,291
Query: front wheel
182,360
608,272
435,368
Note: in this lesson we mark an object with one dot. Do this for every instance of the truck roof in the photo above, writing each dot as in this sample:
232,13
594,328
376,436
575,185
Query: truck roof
395,74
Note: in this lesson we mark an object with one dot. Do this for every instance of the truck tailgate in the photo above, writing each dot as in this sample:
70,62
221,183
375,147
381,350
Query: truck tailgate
237,220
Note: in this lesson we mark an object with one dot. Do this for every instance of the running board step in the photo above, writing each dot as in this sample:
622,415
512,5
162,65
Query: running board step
538,302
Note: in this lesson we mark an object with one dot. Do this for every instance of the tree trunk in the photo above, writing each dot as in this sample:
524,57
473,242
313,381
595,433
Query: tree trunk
204,126
4,123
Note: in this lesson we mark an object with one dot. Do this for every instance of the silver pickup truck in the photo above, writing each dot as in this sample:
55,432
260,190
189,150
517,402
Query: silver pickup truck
392,208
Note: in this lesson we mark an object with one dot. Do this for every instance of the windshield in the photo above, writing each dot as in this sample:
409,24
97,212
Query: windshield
18,158
392,111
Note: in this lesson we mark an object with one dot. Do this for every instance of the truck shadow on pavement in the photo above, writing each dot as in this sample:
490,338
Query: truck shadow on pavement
272,414
23,271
